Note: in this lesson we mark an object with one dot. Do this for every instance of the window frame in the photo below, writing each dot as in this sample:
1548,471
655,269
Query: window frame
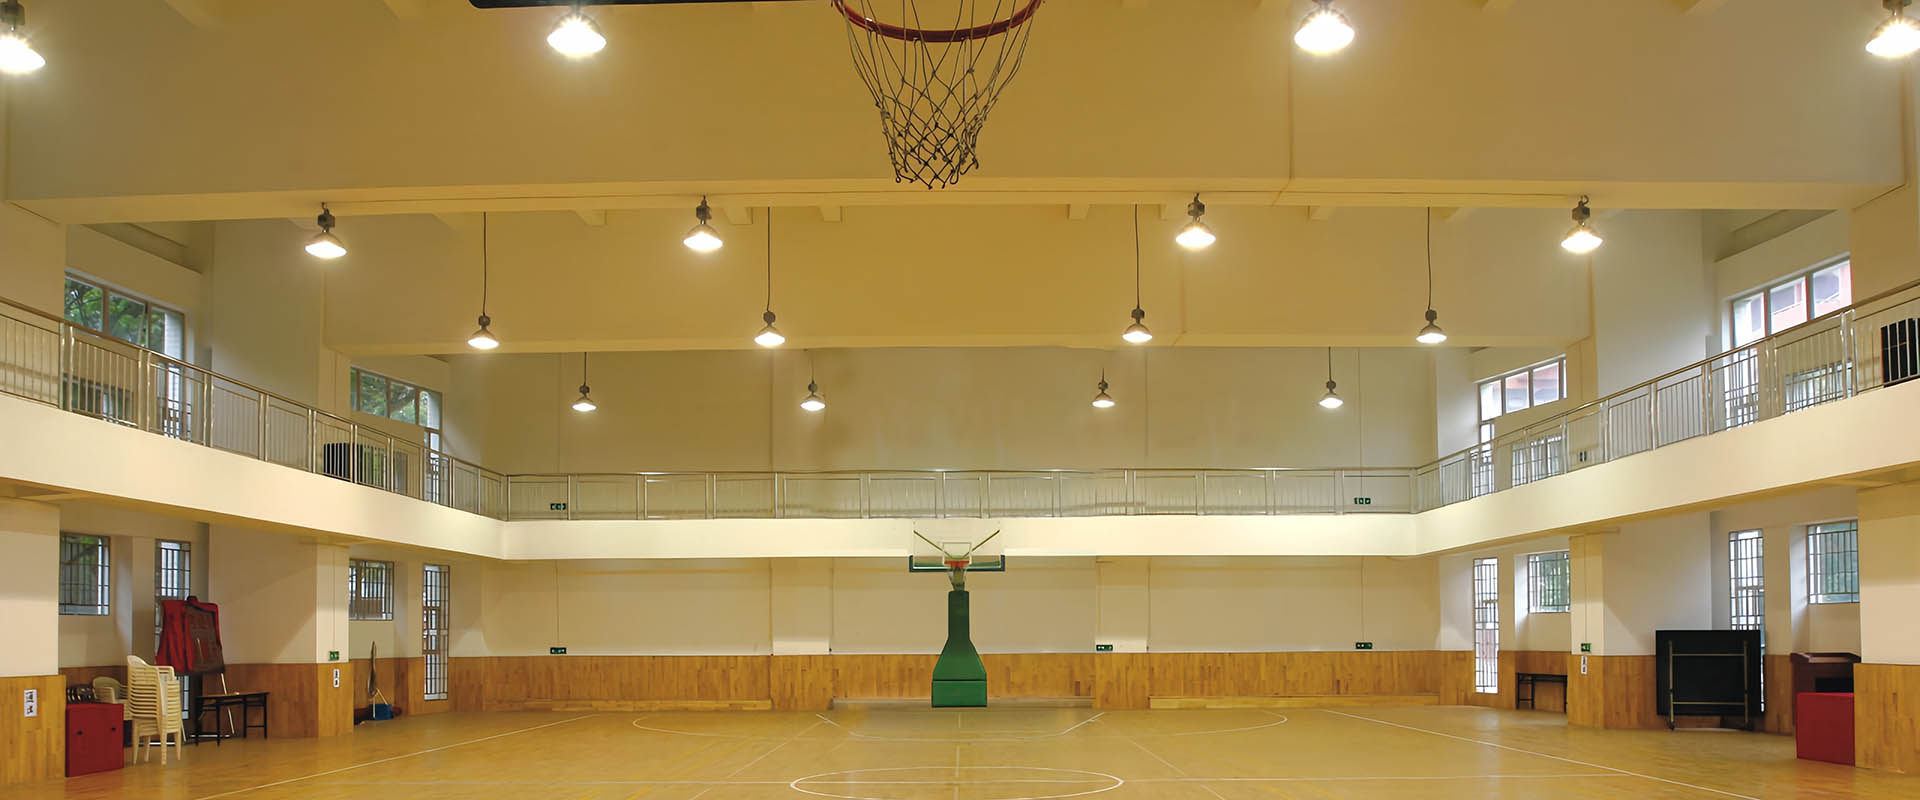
1847,532
101,571
107,294
1747,581
1765,293
358,601
1486,625
1499,384
420,398
1535,562
436,631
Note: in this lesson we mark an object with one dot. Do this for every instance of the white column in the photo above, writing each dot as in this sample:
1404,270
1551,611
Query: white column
29,588
800,591
1122,603
1890,574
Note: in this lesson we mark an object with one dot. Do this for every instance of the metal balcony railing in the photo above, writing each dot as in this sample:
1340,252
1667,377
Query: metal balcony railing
935,493
49,360
1870,344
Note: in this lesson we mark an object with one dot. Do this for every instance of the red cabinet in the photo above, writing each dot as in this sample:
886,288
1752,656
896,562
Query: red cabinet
93,738
1823,726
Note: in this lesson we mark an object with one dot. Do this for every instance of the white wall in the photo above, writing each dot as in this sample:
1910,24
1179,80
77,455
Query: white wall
1292,604
1656,578
29,588
98,641
1651,295
282,598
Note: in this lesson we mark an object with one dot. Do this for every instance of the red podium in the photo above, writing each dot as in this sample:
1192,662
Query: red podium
1823,726
93,738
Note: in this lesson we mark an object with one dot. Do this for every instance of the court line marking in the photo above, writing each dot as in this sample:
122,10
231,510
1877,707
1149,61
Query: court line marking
716,783
1117,781
776,748
1281,721
1656,778
232,792
870,737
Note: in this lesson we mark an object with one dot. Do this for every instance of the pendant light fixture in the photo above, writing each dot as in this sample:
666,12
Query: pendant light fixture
1331,399
702,238
16,56
1196,235
483,339
769,336
576,36
325,245
1581,239
1431,334
1137,333
1324,30
1897,36
585,403
814,401
1102,399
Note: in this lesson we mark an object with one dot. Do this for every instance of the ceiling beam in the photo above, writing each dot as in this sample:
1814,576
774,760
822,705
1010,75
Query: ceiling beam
1494,6
1320,213
407,9
202,13
1700,6
1077,211
737,214
1451,214
829,213
454,220
595,217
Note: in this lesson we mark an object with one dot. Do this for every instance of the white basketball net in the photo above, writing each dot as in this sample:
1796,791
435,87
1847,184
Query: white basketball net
934,80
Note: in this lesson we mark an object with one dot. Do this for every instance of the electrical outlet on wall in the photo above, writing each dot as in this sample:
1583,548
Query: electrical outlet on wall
336,678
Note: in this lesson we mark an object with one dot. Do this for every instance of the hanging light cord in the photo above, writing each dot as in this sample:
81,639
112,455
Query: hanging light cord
1429,258
583,370
1136,255
1329,364
483,263
769,258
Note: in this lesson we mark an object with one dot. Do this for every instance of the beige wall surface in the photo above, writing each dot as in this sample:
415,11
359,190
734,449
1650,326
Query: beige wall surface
29,587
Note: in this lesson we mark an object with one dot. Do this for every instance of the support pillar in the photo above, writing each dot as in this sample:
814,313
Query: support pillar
31,748
1886,684
283,621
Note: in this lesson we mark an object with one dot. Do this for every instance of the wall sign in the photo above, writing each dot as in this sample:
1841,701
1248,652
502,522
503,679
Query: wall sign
30,698
556,651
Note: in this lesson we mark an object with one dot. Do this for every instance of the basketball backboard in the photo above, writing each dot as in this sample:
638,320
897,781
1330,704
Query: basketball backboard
941,545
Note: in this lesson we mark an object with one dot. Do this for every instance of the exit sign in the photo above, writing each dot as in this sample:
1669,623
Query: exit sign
1363,501
1103,648
556,651
556,506
1586,647
333,655
1363,645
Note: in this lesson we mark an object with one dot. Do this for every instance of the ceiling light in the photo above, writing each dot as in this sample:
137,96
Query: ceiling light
1896,37
1331,399
1137,333
813,401
585,403
576,36
1431,334
483,339
702,238
1196,234
1324,30
1103,400
16,56
325,244
1581,239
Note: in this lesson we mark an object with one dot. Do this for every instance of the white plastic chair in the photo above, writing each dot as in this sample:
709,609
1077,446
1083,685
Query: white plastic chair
153,708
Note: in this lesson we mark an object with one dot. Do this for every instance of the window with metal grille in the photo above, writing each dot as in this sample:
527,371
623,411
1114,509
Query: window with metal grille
434,628
1549,583
172,574
1833,562
84,568
1808,295
1748,586
369,590
1486,625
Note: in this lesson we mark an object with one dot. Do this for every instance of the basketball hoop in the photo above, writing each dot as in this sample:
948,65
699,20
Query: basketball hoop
933,87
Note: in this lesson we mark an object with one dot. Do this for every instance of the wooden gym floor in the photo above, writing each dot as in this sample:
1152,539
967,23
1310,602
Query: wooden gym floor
995,754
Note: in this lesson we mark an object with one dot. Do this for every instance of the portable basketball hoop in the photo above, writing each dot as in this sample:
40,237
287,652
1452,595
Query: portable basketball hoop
933,87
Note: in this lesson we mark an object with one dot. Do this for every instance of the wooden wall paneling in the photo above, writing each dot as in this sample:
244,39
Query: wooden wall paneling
1039,674
1455,676
1616,692
801,683
1121,680
83,676
33,748
1778,716
865,676
333,706
1586,703
1886,716
467,683
389,676
293,699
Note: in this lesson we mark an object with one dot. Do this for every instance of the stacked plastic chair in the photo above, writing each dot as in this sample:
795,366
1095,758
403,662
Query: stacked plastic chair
153,708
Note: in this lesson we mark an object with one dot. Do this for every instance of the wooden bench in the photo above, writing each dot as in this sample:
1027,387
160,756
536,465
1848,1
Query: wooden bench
204,704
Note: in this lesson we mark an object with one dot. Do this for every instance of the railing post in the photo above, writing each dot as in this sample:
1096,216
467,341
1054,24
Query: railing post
573,495
713,495
264,406
313,442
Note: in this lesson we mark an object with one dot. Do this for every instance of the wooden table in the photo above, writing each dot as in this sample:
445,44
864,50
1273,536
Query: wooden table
205,704
1529,679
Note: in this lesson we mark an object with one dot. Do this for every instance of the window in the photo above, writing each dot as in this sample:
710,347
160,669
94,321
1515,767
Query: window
126,317
1833,562
381,396
434,628
84,567
369,590
1526,387
1795,300
172,574
1549,583
1486,625
1748,586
